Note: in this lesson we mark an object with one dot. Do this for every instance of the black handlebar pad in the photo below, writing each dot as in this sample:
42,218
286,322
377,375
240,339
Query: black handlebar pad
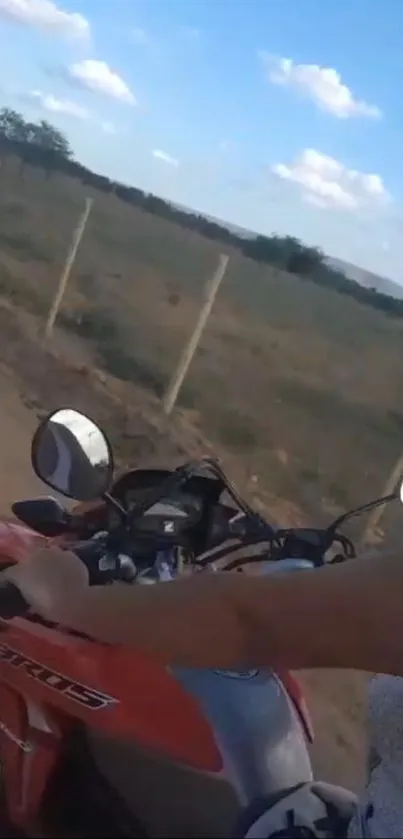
12,603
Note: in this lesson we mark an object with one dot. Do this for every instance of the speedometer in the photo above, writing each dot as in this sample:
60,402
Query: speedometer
177,504
167,517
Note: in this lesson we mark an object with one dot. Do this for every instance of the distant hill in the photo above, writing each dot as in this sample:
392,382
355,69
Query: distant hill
366,278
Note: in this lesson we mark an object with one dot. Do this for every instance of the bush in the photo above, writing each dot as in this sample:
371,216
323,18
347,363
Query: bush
98,326
130,369
310,476
234,430
26,248
20,294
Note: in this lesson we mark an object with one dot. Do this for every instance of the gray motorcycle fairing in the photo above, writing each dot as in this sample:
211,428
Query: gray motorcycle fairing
256,728
261,741
260,737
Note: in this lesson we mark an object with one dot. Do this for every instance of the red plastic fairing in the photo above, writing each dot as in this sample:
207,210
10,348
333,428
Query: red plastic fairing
121,692
296,694
29,747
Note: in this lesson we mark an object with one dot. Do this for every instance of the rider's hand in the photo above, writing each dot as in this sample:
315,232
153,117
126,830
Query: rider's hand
50,580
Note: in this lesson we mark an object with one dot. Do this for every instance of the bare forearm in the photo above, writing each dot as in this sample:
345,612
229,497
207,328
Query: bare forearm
223,620
190,621
342,616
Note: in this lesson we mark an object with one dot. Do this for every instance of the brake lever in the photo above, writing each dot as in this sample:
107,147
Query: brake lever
346,544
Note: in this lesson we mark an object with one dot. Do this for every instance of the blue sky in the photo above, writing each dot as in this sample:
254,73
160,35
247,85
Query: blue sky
276,115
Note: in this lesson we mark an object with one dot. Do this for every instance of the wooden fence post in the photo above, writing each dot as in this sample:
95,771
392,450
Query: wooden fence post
178,378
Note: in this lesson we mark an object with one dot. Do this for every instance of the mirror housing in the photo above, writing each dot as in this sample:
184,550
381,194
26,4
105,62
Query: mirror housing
44,515
71,454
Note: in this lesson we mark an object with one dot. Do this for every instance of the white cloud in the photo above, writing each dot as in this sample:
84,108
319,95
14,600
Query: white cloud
98,77
55,105
49,102
166,158
45,14
321,84
326,182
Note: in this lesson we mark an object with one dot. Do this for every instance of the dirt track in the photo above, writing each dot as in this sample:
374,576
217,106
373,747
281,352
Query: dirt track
17,424
30,382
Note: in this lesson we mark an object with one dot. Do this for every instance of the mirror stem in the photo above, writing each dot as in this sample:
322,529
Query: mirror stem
116,504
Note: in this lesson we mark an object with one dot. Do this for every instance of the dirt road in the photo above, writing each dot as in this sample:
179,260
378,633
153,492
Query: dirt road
17,424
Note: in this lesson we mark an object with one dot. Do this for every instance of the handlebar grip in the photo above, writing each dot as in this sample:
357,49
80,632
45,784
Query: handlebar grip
12,603
91,553
88,551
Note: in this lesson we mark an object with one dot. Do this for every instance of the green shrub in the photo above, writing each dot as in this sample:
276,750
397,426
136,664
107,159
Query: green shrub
25,247
233,430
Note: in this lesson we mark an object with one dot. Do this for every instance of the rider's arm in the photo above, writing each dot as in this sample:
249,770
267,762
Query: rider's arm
348,616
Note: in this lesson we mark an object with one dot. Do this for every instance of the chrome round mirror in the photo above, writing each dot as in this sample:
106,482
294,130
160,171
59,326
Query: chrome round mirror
72,455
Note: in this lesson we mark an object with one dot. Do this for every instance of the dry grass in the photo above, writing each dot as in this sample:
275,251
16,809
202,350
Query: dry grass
304,383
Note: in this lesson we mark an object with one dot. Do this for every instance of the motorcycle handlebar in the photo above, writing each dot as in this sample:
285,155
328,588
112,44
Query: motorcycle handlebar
12,602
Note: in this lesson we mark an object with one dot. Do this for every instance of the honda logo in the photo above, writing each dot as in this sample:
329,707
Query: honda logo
169,527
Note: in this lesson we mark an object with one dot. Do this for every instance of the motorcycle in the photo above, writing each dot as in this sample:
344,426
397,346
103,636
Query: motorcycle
98,740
